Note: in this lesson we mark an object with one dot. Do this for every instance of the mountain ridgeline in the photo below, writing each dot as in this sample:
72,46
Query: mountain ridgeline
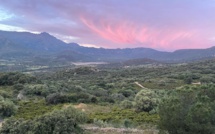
28,46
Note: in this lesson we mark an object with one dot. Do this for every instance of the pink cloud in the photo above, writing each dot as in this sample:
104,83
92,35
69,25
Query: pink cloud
124,32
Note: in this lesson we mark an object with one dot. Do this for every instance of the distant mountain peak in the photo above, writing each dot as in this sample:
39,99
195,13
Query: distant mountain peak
45,34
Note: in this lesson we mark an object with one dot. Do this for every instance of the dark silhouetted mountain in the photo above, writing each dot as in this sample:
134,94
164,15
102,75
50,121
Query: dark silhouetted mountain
193,54
102,54
28,45
42,43
22,45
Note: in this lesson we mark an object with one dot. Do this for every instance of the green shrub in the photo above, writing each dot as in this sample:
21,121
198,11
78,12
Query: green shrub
56,98
145,100
127,123
5,94
93,99
189,111
7,107
118,96
107,99
37,90
64,121
83,97
100,123
30,110
126,104
207,79
122,114
12,78
127,92
18,87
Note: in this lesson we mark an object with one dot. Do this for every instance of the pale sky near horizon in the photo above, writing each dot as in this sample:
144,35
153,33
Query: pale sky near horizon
160,24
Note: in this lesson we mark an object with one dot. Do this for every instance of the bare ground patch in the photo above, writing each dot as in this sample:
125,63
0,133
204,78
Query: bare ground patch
110,130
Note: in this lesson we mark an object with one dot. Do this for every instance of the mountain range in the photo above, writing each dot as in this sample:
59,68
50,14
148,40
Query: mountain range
26,46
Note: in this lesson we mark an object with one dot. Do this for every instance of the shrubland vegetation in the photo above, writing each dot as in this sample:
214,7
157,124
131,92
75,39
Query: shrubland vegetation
190,110
173,98
58,121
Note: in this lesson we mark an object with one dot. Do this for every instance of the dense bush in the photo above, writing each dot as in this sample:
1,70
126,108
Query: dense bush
188,80
7,107
117,96
18,87
189,111
12,78
64,121
56,98
127,92
107,99
207,79
36,90
126,104
5,94
145,100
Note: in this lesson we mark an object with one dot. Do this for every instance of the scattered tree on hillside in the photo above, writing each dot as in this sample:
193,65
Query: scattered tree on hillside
145,100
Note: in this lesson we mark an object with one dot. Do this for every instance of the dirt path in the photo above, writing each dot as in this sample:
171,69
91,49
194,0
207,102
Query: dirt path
138,84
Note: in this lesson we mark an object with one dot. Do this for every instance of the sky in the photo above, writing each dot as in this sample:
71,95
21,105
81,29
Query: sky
165,25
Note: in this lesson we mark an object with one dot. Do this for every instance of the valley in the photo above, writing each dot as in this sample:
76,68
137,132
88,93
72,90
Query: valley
111,98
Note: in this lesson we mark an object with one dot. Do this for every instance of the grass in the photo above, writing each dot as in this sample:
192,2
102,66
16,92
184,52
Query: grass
30,110
93,108
118,115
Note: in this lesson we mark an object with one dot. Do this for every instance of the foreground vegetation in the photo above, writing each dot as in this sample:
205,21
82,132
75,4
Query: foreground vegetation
174,99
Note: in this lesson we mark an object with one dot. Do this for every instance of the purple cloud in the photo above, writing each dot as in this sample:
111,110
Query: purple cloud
164,25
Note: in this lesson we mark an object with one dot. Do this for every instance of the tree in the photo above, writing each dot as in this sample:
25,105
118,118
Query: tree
189,110
188,80
145,100
64,121
7,107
